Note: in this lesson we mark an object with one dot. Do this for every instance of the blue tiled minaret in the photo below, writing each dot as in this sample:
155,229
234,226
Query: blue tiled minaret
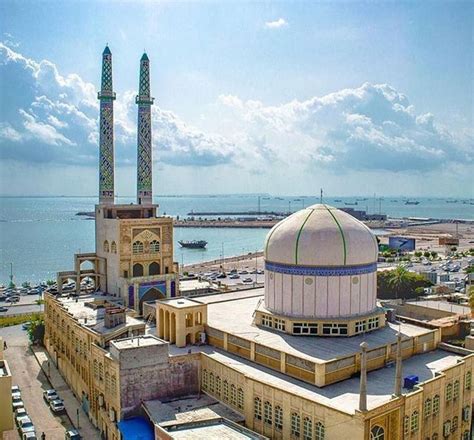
106,97
144,155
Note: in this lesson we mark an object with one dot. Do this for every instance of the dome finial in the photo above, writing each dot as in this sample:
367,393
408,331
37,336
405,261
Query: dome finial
106,50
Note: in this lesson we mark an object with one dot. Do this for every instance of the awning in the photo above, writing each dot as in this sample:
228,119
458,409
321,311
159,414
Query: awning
136,428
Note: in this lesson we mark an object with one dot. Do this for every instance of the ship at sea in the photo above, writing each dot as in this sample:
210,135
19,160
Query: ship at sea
193,244
412,202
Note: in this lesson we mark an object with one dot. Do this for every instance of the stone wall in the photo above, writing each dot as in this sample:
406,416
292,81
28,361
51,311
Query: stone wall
177,377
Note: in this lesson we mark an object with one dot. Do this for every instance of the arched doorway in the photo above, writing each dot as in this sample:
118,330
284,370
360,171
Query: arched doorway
151,294
173,328
137,270
154,268
161,324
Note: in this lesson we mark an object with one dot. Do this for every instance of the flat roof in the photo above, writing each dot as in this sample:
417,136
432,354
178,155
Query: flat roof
93,318
180,302
212,430
137,341
189,409
443,305
317,349
344,395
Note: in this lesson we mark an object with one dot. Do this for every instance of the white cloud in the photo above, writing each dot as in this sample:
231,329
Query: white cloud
276,24
54,118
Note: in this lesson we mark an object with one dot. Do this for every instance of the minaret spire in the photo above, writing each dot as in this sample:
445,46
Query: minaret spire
106,97
144,147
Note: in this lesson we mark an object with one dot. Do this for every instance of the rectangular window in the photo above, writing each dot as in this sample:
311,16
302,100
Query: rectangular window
305,328
335,329
279,324
267,321
373,323
360,326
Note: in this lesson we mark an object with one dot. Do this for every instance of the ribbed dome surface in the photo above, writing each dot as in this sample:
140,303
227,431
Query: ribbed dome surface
322,236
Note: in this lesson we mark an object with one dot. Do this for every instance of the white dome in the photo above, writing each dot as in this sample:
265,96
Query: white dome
321,262
322,236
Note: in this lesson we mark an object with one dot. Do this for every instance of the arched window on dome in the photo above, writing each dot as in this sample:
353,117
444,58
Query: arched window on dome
377,433
257,408
278,418
307,429
267,413
113,247
295,425
106,246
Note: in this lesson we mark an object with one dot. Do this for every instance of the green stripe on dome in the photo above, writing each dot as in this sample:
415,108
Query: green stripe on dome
342,234
272,232
299,234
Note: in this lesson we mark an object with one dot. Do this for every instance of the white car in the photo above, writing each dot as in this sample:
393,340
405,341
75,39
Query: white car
15,389
20,413
17,402
50,395
30,435
25,425
57,406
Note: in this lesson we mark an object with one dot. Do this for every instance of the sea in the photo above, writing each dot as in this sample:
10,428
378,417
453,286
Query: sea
40,235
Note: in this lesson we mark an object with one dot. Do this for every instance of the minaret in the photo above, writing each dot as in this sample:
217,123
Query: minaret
144,155
106,97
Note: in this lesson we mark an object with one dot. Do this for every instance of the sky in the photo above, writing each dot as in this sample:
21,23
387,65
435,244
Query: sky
250,97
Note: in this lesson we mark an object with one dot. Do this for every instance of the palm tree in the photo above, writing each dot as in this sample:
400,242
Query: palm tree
399,279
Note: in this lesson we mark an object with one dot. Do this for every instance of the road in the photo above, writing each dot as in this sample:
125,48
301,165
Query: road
18,309
27,373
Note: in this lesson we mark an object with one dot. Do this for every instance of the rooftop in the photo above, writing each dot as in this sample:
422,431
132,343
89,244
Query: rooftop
189,409
443,305
180,303
89,310
314,348
137,341
344,395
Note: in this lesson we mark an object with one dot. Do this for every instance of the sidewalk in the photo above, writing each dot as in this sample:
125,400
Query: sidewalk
86,429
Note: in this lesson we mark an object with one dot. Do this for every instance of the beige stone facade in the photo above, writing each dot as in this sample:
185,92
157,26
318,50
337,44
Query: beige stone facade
6,412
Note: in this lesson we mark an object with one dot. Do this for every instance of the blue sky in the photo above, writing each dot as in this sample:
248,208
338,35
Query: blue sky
357,97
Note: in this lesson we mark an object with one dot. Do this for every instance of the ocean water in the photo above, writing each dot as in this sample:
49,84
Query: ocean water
40,235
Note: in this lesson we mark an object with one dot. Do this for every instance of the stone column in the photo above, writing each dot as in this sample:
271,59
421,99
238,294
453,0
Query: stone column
398,367
363,378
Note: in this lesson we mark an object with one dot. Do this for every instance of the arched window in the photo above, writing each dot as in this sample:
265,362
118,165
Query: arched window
101,371
320,432
113,384
107,382
267,413
449,392
113,247
456,390
204,379
154,268
377,433
96,369
427,408
295,425
435,405
233,395
226,391
154,246
414,421
240,398
137,270
218,385
307,429
468,380
406,425
211,382
257,408
137,247
454,425
278,418
106,246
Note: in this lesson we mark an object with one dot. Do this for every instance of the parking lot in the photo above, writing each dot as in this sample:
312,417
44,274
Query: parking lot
27,374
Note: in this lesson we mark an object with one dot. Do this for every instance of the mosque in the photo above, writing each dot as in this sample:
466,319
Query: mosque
310,356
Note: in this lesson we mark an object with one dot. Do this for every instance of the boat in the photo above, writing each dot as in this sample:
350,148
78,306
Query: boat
338,200
412,202
193,244
350,204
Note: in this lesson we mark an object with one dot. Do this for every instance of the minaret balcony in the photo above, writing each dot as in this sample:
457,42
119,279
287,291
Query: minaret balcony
144,99
106,94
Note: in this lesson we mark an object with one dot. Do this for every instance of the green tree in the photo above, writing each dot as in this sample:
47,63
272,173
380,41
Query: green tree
426,254
418,254
26,284
50,282
36,331
400,283
434,254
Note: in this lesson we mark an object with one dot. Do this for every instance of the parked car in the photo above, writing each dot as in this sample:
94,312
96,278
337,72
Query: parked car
3,309
3,297
14,298
15,389
50,395
234,276
57,406
25,425
72,434
20,413
247,280
243,272
17,402
31,435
